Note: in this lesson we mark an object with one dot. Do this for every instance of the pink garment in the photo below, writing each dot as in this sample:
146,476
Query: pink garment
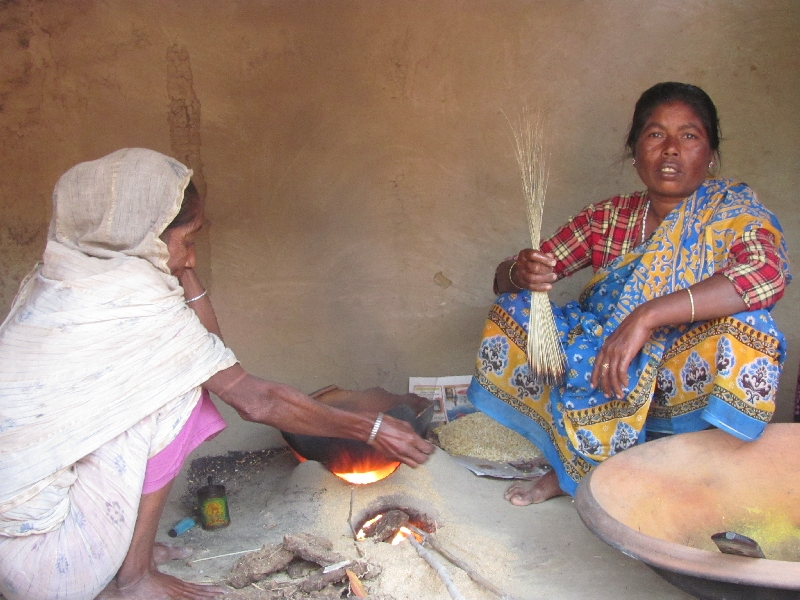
204,423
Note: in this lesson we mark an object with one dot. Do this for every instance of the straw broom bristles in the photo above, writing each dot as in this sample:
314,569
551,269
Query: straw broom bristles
546,358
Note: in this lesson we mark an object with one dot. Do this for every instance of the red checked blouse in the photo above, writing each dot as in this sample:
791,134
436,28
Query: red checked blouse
603,231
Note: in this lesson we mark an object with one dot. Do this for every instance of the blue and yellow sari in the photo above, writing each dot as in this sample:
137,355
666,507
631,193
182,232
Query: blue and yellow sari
722,373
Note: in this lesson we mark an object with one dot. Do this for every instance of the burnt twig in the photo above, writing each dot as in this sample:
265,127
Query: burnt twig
350,515
438,567
483,582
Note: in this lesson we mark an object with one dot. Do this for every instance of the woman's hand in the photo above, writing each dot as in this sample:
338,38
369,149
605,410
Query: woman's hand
610,371
532,270
396,440
711,298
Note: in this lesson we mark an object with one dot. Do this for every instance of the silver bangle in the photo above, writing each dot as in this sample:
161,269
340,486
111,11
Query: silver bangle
197,297
374,433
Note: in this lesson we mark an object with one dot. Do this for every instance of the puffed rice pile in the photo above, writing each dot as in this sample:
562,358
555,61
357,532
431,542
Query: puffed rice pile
479,436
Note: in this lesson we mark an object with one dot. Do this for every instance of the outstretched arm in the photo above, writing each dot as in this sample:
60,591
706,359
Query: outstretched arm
287,409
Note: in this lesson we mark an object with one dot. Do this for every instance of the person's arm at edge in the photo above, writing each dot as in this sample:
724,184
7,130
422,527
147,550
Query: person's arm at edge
287,409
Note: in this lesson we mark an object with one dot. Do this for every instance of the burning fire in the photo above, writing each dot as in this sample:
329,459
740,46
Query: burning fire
364,477
357,471
402,534
361,536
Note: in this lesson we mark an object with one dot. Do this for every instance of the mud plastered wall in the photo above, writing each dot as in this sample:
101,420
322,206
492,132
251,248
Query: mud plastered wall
359,174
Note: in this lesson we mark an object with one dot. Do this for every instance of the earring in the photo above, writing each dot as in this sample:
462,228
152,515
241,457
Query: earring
633,162
711,164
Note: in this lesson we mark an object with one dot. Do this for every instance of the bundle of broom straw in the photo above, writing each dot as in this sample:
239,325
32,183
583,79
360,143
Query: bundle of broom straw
546,357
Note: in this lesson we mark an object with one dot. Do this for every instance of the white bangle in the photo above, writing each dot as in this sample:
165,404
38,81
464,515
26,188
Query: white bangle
197,297
374,433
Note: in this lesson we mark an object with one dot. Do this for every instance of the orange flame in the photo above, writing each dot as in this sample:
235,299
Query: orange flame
361,536
357,471
363,477
402,534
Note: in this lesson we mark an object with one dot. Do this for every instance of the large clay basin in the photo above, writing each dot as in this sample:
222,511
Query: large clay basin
662,501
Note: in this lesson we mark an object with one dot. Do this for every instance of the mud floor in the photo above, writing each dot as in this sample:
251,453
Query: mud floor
533,552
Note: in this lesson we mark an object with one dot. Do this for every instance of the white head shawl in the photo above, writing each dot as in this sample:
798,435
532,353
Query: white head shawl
99,336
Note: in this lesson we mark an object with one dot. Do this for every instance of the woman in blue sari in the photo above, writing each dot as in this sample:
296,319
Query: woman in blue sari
672,334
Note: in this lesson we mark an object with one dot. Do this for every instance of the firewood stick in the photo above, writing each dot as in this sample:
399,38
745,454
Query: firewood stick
350,515
438,567
477,578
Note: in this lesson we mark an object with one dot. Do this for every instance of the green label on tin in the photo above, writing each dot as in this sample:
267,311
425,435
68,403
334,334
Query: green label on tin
215,513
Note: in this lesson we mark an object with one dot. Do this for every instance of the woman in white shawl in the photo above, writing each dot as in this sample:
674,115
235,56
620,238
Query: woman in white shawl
104,359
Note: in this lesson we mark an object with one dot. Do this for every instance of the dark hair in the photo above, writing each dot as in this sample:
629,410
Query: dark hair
190,207
671,91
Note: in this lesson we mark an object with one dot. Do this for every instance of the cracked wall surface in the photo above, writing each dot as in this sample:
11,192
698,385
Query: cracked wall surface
183,114
357,169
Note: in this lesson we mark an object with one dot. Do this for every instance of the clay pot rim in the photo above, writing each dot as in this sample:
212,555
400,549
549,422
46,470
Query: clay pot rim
684,560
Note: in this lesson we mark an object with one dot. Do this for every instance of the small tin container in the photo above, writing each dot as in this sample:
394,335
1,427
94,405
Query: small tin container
213,506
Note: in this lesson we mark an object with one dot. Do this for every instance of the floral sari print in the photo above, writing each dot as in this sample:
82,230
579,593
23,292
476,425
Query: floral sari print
720,373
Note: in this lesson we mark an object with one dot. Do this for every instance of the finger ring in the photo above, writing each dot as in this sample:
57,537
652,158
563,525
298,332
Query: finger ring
606,365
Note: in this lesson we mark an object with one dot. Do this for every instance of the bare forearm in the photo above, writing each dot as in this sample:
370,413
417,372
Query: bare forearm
290,410
192,288
286,408
711,298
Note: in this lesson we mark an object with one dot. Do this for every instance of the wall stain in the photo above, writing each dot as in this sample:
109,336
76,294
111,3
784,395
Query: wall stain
184,114
442,281
21,244
24,234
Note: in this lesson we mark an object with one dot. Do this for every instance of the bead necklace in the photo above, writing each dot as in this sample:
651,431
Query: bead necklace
644,218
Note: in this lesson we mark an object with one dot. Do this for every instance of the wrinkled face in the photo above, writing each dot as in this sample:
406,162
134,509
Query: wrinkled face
180,243
673,153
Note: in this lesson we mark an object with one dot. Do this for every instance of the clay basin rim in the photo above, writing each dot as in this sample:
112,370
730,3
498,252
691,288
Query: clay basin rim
660,503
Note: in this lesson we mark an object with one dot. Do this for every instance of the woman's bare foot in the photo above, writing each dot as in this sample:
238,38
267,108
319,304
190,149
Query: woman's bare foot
534,491
163,553
159,586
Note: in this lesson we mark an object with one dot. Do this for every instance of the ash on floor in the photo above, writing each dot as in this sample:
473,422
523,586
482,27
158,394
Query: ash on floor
235,471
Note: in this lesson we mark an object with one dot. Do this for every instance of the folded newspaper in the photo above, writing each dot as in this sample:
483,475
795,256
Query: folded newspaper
449,394
476,442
